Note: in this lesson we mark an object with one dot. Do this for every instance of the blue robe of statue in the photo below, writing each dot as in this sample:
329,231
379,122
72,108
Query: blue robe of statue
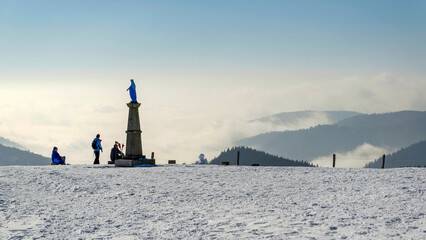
132,90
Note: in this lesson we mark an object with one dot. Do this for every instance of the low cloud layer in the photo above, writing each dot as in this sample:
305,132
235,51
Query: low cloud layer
181,121
356,158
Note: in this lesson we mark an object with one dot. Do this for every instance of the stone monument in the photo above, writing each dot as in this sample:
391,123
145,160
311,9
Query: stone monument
134,155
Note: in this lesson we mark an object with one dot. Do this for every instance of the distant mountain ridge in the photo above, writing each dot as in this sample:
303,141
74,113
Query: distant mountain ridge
412,156
304,119
398,129
250,156
8,143
379,119
10,156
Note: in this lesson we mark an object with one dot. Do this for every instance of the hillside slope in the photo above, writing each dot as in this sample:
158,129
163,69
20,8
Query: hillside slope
250,156
414,155
211,202
13,156
399,129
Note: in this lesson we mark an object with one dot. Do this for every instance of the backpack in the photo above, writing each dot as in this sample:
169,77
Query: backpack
95,144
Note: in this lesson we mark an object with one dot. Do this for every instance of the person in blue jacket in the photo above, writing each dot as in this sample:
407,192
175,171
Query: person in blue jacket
56,158
132,90
97,148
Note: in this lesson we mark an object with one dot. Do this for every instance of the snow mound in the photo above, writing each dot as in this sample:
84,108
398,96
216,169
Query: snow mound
211,202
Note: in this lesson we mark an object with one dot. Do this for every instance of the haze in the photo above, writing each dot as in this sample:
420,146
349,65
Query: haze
203,69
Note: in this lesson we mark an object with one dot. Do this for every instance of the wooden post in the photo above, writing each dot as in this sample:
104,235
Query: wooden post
152,155
238,158
383,161
334,160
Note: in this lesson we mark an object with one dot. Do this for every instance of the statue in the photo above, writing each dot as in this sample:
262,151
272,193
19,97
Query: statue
132,91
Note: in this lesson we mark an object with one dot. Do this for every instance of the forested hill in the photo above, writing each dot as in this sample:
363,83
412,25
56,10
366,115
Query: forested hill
397,130
249,156
412,156
13,156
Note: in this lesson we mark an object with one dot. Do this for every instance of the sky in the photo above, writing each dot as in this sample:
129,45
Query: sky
202,69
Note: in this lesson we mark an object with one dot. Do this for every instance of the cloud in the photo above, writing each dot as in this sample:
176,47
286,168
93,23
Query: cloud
293,121
106,109
357,158
383,92
215,128
180,121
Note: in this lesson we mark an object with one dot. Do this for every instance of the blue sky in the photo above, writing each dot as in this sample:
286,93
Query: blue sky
201,67
136,36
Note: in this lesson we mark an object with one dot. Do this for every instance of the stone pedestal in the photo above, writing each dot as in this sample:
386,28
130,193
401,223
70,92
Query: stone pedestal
134,155
134,140
133,163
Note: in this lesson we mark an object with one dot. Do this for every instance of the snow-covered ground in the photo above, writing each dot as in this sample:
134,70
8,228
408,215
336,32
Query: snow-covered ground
211,202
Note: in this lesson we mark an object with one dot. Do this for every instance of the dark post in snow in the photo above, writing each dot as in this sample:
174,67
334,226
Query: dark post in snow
238,158
383,161
334,160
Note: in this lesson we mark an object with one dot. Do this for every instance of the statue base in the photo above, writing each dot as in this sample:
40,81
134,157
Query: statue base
134,156
134,162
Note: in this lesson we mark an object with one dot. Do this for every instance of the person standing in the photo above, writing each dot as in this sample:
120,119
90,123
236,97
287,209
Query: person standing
96,145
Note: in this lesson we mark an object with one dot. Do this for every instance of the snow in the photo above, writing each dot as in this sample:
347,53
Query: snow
211,202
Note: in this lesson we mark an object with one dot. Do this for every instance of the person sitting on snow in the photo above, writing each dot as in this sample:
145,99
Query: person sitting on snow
115,152
56,158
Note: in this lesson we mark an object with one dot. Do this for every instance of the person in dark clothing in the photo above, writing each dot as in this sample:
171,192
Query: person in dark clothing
115,152
97,149
56,158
